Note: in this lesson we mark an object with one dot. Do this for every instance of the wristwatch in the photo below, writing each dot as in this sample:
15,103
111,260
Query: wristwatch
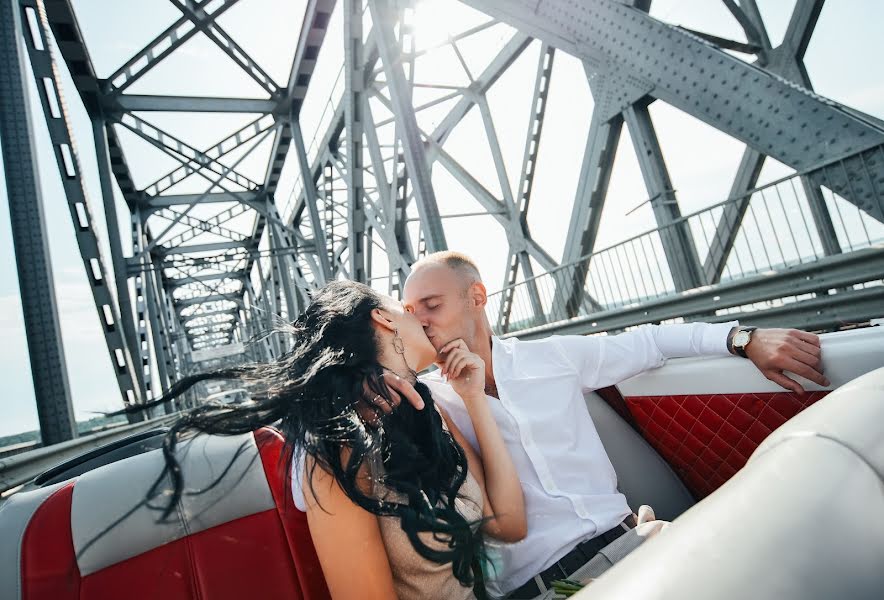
741,339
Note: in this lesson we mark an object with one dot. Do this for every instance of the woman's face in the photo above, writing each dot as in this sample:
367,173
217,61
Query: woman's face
419,352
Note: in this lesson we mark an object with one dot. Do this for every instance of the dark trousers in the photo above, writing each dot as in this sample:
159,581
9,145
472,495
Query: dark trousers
590,550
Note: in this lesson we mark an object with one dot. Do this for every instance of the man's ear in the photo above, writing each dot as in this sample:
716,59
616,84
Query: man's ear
478,294
382,319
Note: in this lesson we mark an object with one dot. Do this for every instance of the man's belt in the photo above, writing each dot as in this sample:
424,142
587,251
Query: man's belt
581,554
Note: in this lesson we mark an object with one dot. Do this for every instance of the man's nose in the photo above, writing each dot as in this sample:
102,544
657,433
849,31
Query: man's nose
422,318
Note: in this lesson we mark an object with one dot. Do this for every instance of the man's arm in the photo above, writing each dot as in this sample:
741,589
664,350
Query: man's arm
608,360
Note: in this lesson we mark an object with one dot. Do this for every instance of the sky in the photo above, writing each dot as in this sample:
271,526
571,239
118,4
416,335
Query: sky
701,160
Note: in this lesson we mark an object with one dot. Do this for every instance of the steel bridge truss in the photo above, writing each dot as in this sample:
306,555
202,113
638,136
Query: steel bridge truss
193,277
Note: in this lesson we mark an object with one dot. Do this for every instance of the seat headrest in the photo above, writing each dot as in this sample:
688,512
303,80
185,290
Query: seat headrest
852,415
111,519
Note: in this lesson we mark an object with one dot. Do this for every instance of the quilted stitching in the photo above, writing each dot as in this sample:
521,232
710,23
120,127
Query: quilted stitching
707,439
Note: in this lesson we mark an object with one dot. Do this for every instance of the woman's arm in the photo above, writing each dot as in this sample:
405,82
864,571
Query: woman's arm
348,541
503,504
495,471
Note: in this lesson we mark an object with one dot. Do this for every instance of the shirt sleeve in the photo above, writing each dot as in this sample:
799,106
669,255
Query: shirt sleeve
607,360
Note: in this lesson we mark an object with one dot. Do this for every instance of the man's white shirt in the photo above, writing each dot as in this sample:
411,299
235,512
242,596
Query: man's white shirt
569,484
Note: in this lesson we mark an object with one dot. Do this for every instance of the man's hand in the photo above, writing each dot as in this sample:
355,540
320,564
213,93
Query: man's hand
776,350
373,404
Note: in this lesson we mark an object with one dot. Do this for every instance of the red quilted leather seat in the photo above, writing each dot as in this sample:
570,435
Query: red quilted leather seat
94,537
707,438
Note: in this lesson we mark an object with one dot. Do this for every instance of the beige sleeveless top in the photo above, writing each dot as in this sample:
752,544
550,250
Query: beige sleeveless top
415,577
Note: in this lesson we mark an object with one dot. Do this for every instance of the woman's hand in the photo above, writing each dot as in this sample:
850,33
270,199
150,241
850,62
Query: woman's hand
372,405
465,370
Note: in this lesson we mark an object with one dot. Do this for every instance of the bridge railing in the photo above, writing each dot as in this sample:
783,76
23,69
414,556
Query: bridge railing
777,227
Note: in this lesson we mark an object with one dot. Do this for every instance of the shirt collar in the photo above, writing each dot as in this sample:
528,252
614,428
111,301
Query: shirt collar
502,357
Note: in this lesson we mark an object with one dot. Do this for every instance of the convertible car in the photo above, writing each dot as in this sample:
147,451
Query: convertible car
766,502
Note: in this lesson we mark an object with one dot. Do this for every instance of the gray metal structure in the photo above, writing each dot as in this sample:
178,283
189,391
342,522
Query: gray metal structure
191,278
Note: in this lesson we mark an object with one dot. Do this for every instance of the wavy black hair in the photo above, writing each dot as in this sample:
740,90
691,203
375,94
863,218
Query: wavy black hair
312,395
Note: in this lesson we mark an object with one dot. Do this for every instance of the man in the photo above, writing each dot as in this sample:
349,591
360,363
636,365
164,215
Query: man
535,390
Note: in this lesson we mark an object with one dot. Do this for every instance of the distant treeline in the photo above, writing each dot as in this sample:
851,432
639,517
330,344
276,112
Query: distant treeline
83,427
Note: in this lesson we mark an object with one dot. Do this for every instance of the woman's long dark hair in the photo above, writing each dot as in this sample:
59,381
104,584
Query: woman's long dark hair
312,394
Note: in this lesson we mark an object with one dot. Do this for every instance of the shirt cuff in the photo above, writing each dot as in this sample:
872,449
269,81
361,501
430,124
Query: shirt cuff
714,340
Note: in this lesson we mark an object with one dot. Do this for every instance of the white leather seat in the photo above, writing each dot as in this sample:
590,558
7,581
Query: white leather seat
642,474
802,521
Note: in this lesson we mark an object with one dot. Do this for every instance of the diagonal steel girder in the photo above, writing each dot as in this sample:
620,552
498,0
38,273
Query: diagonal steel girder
406,124
677,241
519,259
511,50
760,108
786,60
230,143
181,151
46,71
163,45
152,204
212,225
310,39
206,23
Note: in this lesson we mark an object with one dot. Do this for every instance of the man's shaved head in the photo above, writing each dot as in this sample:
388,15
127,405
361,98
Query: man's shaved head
446,294
460,263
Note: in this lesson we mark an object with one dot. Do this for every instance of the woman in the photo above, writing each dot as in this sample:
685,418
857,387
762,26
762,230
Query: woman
396,508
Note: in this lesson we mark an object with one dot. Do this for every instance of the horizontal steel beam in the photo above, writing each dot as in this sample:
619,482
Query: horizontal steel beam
189,104
824,312
211,313
194,248
182,281
835,272
179,304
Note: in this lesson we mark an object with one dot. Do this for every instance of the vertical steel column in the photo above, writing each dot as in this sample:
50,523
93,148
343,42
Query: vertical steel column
269,306
266,347
165,324
399,263
138,244
822,220
353,91
281,271
168,322
39,305
152,308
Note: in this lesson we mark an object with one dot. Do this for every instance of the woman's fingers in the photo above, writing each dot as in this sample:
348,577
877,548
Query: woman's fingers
377,401
458,343
400,387
374,404
449,360
457,366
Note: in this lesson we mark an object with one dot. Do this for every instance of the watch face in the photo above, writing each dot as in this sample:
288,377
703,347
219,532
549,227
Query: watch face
741,339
